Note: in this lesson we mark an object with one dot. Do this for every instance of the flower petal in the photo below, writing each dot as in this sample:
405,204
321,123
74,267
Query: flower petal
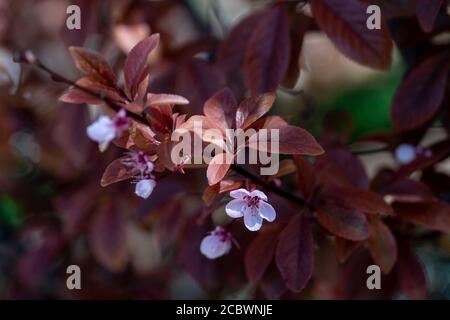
234,208
144,188
214,247
267,211
252,220
239,193
259,194
405,153
102,130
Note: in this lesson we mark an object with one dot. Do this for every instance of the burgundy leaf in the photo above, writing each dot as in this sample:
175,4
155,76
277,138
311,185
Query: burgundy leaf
306,176
164,98
75,208
217,169
411,274
164,152
136,62
291,140
107,235
345,24
349,165
76,96
117,171
345,248
198,81
408,190
220,109
421,93
93,64
298,27
259,255
434,215
427,12
272,285
357,199
345,223
252,109
268,51
231,52
295,253
382,245
203,270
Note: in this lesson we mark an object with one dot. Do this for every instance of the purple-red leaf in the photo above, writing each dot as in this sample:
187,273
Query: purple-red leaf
107,236
349,165
421,93
154,99
290,140
345,223
344,22
217,169
357,199
231,52
252,109
427,12
295,253
117,171
93,64
345,248
198,81
268,52
202,269
135,63
411,274
408,190
259,254
220,109
434,215
306,176
382,245
76,96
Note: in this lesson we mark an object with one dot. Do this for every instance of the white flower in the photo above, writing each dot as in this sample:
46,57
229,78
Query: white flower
405,153
102,130
106,129
216,244
144,188
252,206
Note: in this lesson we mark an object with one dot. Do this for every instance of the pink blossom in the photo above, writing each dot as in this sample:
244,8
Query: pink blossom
145,181
144,188
105,129
216,244
252,206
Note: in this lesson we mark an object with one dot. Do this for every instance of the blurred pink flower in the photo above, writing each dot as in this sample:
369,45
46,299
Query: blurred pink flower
216,244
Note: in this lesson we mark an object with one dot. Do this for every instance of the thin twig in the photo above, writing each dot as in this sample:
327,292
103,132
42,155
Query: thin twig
243,172
370,151
267,185
59,78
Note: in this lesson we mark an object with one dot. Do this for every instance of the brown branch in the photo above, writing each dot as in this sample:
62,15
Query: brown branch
243,172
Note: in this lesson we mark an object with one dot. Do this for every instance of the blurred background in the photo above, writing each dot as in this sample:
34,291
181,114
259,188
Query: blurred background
53,212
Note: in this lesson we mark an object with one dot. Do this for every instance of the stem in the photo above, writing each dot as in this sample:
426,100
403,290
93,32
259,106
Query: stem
59,78
282,193
371,151
243,172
